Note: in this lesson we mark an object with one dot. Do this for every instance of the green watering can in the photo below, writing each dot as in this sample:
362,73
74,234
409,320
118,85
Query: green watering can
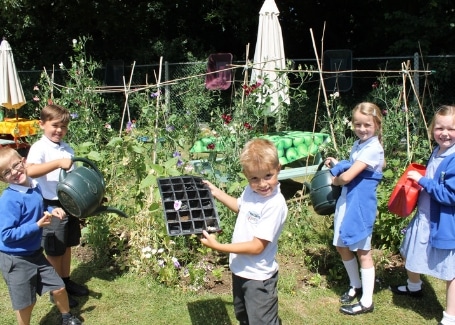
323,194
81,191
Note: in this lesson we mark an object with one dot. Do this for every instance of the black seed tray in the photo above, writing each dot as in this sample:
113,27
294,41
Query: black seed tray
197,212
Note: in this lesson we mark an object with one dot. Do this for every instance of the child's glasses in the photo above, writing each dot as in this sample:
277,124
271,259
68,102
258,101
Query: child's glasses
16,166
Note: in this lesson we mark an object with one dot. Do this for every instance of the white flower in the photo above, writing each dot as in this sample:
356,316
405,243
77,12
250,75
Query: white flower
146,249
61,65
154,251
74,41
148,255
160,250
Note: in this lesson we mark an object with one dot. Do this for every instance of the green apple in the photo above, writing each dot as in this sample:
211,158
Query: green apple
207,140
292,154
313,149
198,146
283,161
280,152
298,141
287,142
302,149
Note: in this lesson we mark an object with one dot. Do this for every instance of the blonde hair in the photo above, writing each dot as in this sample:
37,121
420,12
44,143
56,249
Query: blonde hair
443,110
259,154
6,153
367,108
54,112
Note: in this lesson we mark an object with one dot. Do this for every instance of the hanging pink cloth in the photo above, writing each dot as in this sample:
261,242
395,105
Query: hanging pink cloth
217,78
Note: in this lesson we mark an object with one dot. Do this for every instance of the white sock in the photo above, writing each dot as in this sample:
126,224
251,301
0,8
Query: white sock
447,319
368,279
352,268
414,286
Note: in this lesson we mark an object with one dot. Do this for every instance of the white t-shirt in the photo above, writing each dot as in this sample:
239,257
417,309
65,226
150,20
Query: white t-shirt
44,150
263,218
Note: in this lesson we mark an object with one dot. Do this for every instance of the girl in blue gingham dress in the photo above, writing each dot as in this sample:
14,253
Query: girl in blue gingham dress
429,243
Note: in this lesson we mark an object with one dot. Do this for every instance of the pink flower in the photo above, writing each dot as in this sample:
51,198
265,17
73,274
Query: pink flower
177,205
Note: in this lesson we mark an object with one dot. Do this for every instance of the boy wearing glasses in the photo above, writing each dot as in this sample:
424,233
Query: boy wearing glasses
25,269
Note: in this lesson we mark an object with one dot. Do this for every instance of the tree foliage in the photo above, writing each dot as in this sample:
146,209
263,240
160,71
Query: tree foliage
142,31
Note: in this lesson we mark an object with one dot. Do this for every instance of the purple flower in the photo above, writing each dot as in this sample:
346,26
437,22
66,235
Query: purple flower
176,263
179,163
176,154
156,94
74,115
170,128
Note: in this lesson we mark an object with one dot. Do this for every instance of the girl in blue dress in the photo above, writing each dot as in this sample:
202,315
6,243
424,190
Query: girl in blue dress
356,207
429,243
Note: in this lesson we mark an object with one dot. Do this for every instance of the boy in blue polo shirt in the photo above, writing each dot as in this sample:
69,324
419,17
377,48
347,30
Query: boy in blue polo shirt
25,269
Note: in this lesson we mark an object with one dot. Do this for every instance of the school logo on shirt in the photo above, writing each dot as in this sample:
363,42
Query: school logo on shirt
253,217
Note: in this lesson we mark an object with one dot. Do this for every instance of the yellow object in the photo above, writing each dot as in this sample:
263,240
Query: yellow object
19,127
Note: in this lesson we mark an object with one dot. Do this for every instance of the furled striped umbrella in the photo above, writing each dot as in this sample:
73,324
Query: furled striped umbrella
11,93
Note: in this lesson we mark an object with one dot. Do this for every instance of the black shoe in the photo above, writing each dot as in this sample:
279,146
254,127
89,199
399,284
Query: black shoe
71,321
76,289
347,299
72,302
416,294
356,309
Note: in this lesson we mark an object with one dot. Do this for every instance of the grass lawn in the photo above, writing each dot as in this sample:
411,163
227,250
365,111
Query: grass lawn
129,300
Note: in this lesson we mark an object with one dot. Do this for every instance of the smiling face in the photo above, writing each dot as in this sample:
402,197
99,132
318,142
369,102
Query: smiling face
12,168
364,126
262,180
444,131
55,129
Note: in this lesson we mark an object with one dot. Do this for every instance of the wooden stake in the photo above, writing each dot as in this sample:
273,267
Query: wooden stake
324,92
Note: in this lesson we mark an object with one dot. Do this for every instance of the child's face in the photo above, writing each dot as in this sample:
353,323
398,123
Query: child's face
363,125
264,180
54,130
15,172
444,131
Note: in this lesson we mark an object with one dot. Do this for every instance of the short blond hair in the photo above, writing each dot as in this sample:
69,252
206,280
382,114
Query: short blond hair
6,153
259,154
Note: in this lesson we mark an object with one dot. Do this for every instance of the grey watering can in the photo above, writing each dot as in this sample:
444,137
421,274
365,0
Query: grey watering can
323,194
81,191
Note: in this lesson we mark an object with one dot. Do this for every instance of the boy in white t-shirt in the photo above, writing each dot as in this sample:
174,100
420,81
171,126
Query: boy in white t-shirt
261,212
45,159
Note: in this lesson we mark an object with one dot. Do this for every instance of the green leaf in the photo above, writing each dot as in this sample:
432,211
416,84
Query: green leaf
148,181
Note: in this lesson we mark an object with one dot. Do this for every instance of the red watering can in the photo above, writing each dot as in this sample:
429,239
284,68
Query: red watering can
406,193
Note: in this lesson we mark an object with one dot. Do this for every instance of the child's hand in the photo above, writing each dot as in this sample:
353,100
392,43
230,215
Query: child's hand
414,175
209,240
215,190
59,213
45,220
66,163
329,161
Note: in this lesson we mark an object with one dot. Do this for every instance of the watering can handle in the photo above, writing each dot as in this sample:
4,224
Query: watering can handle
63,172
322,164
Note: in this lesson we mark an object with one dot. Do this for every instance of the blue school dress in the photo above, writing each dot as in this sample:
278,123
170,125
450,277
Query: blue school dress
421,257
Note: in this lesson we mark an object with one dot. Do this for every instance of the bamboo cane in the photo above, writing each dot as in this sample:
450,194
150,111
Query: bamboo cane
324,93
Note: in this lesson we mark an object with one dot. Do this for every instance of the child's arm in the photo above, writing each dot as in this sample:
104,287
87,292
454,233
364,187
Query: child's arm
346,177
223,197
38,170
254,247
